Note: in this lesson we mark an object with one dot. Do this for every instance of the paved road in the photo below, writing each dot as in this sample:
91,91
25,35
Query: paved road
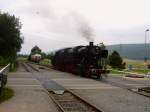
130,83
105,96
29,96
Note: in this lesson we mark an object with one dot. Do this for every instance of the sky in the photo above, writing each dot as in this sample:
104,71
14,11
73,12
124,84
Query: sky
55,24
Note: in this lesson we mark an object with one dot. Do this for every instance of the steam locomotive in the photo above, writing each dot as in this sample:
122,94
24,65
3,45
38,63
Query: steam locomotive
87,61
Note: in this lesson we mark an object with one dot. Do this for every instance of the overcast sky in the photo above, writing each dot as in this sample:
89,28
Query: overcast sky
54,24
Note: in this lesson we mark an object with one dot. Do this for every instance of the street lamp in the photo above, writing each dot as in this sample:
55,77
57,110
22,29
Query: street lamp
145,45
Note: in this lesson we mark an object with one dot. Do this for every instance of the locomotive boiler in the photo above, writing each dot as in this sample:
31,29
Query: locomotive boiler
86,61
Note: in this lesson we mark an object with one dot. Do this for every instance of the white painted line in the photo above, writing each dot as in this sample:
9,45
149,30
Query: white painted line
25,85
22,79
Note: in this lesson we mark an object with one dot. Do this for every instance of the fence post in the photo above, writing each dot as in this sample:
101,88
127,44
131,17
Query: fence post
3,78
1,85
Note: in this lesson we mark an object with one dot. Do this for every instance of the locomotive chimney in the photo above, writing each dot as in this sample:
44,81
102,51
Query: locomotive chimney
91,43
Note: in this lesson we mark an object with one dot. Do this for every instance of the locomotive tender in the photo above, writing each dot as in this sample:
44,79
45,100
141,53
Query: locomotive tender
87,61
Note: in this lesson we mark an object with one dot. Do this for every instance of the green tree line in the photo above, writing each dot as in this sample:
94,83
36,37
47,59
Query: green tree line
10,37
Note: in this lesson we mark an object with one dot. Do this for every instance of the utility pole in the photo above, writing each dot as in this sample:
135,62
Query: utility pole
145,60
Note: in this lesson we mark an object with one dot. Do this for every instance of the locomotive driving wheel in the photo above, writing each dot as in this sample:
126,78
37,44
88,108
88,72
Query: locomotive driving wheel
99,76
88,74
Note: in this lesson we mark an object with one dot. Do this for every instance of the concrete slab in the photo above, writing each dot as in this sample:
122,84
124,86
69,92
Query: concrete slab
116,100
53,86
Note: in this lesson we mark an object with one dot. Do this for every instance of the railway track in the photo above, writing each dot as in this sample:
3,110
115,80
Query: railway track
142,91
145,91
70,102
29,68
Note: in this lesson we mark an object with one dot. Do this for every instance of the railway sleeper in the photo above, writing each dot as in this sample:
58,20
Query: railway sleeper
68,102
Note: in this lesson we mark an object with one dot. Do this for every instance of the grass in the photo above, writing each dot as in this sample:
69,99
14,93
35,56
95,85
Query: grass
134,63
115,72
139,71
46,62
136,71
138,67
6,95
22,59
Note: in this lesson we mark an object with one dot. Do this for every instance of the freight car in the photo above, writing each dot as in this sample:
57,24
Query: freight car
87,60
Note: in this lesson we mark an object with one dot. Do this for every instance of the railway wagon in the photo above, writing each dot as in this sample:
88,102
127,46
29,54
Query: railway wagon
36,58
86,61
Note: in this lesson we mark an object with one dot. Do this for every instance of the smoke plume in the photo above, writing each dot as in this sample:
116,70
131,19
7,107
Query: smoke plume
86,32
83,27
70,25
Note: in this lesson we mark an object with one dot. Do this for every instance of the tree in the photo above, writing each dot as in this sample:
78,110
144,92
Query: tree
36,50
102,45
10,36
44,55
115,60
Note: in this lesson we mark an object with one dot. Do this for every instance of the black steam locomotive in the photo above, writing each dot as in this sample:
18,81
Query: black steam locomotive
87,61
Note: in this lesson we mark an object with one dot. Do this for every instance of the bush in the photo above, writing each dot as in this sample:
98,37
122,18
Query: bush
3,61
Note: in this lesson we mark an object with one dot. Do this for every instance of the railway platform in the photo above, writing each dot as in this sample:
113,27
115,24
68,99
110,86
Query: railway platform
29,96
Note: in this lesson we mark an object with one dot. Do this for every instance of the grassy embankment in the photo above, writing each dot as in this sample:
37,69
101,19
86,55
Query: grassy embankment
6,61
46,62
22,59
7,94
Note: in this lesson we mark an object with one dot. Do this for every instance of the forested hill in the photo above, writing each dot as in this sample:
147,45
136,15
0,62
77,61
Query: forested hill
131,51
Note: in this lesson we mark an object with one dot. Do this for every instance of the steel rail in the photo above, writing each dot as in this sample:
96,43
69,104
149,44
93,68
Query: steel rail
56,102
26,67
85,101
127,87
79,98
31,66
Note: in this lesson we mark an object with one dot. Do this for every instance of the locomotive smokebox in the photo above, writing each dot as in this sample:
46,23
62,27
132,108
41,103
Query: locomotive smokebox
91,43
